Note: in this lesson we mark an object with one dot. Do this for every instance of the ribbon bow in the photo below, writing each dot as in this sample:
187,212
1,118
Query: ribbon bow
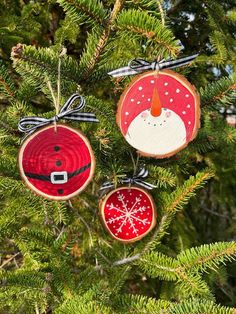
30,124
136,66
137,179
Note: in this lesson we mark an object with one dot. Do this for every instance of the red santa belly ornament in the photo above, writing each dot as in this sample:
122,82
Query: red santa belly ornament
159,112
56,162
128,213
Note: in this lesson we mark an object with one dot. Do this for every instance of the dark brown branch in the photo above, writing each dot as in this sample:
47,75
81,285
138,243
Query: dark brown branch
104,38
6,87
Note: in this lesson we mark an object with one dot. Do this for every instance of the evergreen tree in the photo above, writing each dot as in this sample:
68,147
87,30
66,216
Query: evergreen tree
55,256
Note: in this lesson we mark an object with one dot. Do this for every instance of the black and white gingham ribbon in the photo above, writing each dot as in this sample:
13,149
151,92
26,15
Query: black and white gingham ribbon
30,124
136,66
137,179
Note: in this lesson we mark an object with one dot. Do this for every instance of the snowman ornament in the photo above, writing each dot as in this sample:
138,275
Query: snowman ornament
159,113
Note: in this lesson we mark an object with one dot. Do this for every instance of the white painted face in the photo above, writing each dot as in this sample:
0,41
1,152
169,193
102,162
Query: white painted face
157,135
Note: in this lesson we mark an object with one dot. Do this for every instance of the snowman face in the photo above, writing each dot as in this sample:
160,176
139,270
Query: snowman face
159,114
157,135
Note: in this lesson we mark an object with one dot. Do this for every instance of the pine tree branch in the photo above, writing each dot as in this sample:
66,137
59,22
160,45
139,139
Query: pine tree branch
195,283
9,260
207,256
82,8
138,23
172,208
83,221
185,269
6,87
159,4
189,263
60,233
199,306
219,93
174,273
46,67
8,128
32,62
167,218
104,38
167,268
222,94
88,11
127,260
144,32
37,311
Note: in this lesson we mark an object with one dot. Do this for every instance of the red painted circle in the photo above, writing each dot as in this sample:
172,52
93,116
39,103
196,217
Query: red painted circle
128,213
176,95
46,151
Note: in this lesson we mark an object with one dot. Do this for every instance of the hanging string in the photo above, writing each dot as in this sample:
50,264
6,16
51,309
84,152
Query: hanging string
56,98
54,102
135,163
160,4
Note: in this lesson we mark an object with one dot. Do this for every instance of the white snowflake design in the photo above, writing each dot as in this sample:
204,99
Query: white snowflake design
128,215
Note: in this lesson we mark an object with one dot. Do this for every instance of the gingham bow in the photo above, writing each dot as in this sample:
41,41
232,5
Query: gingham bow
137,179
30,124
136,66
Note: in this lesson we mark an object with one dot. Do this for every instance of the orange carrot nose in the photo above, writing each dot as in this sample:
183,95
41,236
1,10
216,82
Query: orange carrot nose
156,104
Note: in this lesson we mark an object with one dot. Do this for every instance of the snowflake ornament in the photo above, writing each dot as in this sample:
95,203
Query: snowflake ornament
128,213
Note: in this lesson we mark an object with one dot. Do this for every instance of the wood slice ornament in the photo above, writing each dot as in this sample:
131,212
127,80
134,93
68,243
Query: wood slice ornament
57,165
159,113
56,162
128,213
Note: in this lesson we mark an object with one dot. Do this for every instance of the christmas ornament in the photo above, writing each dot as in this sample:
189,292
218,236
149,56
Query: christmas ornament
159,112
57,162
128,213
